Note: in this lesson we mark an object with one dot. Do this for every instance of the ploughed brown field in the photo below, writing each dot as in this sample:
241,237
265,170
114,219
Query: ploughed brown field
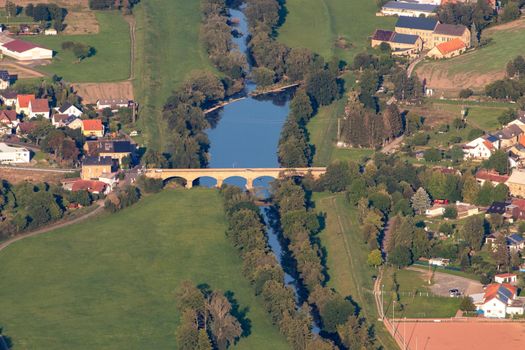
91,92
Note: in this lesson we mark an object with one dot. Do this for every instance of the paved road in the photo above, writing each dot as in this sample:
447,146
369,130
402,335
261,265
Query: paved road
45,170
58,225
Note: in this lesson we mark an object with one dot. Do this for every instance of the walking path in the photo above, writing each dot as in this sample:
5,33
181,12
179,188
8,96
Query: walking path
55,226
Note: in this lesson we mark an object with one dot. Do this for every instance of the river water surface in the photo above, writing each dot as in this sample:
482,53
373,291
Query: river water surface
246,135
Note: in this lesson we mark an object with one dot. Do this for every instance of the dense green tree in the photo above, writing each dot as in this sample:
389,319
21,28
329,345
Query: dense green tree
301,106
335,312
400,256
421,200
472,231
322,87
374,258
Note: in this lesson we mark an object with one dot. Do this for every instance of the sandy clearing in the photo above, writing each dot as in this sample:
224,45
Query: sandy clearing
443,282
91,92
81,22
462,335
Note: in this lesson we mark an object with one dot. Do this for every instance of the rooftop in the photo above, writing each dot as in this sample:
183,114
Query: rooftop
492,176
4,75
92,124
89,160
19,46
517,177
421,23
398,5
450,29
23,100
404,38
39,105
4,147
89,185
451,46
383,35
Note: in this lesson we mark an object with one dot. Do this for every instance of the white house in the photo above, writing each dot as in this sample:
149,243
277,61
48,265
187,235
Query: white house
69,109
408,9
438,262
13,155
114,103
8,98
39,107
480,148
23,50
50,31
510,278
435,210
498,301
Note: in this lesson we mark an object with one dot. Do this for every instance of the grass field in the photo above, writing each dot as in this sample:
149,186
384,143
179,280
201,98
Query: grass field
168,49
111,61
109,283
478,68
316,24
416,303
323,135
346,258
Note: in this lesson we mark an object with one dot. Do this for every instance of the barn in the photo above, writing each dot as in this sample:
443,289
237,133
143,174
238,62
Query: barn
25,51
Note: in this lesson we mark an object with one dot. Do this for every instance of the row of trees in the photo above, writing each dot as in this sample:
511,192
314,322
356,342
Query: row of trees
299,224
279,62
217,37
513,86
187,143
30,205
261,268
126,5
207,321
364,127
122,198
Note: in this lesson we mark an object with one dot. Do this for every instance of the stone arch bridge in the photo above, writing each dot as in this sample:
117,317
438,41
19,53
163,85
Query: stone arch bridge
221,174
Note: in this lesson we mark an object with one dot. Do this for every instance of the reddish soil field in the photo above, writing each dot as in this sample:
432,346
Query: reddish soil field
91,92
463,335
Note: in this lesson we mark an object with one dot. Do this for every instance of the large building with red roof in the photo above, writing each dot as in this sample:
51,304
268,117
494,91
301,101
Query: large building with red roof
499,300
23,50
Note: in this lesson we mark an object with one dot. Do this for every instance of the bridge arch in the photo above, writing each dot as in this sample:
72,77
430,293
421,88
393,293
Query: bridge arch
177,179
205,181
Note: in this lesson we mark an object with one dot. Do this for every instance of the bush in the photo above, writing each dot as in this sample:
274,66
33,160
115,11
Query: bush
149,185
446,228
450,212
466,93
467,304
433,155
420,139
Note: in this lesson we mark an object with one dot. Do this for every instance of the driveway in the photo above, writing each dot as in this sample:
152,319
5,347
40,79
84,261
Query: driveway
443,282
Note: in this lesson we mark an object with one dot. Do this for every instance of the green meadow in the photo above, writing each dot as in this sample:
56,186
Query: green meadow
110,282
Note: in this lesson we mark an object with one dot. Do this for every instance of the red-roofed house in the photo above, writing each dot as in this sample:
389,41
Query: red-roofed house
25,51
480,148
454,47
8,118
22,103
39,107
487,175
93,186
499,300
92,128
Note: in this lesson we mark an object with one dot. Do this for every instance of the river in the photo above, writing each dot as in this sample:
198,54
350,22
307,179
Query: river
245,134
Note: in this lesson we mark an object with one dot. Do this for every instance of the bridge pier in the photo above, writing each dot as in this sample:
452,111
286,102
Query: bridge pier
249,184
219,182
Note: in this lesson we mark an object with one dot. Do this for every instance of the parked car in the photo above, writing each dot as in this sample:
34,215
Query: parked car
454,293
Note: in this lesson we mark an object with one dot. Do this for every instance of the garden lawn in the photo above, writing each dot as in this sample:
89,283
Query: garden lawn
482,117
168,49
111,61
346,256
109,282
317,24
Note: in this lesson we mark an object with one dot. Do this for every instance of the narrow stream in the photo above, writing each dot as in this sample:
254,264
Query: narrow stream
246,135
